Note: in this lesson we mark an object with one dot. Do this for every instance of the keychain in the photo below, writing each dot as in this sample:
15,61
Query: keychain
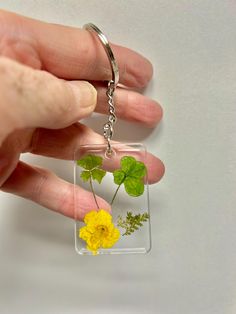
116,172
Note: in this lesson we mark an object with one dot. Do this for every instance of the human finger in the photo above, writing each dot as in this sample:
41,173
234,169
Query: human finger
64,142
131,106
67,52
45,188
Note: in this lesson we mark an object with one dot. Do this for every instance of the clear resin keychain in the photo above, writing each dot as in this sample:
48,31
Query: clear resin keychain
117,173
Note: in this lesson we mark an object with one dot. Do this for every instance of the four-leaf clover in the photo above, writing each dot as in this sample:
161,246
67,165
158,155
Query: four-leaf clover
131,174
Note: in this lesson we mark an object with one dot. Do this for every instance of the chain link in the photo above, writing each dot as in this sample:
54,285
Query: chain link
108,130
108,126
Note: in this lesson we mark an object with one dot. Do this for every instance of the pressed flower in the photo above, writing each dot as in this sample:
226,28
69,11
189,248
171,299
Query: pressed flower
99,232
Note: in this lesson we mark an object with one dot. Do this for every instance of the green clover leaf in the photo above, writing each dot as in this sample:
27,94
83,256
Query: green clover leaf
90,162
119,176
134,187
95,174
85,175
98,174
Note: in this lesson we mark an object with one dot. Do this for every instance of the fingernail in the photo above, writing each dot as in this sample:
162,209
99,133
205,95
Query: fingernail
86,96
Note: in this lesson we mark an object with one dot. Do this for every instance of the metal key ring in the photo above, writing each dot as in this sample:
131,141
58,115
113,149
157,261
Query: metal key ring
109,52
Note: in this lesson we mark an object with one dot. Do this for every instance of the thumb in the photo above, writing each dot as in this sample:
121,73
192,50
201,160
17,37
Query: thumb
34,98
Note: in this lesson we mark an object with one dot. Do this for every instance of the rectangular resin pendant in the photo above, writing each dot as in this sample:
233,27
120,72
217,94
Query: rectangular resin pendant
118,219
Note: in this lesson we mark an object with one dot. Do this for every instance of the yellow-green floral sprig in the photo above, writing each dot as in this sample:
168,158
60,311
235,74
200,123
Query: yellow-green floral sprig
132,222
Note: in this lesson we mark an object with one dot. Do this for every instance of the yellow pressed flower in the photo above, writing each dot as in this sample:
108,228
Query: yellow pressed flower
99,231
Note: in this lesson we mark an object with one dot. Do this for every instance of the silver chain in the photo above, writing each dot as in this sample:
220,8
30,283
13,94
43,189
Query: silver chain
108,130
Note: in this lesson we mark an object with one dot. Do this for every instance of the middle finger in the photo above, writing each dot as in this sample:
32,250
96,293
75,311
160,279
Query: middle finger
130,105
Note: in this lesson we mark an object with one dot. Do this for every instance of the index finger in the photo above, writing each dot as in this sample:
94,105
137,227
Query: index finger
71,53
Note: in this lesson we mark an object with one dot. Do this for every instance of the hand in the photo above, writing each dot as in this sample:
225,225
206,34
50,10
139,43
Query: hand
43,96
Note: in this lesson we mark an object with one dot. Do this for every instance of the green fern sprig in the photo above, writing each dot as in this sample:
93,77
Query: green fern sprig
132,222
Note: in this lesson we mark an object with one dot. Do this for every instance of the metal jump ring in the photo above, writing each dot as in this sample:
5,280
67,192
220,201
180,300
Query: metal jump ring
110,55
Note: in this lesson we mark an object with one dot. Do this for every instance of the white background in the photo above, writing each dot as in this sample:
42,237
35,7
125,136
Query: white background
192,267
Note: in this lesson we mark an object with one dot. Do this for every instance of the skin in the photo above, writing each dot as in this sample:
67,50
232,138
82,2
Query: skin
51,76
